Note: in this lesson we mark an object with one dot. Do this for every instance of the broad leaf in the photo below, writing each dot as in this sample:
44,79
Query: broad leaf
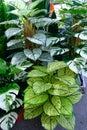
33,99
18,58
50,109
77,64
51,41
36,73
3,66
59,88
34,54
58,51
12,31
55,66
46,57
31,81
40,68
40,87
8,95
13,42
32,112
75,97
67,122
82,35
66,106
48,122
7,121
10,22
82,51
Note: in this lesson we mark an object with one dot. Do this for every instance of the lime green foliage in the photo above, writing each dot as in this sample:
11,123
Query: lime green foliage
51,95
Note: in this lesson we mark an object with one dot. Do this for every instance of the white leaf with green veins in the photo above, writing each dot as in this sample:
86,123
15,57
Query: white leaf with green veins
13,42
12,31
82,35
7,121
51,41
34,54
67,122
48,122
8,96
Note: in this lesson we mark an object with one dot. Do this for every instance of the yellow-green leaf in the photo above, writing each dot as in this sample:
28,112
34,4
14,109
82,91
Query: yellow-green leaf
56,66
36,73
40,87
32,112
66,106
30,81
67,122
48,122
50,109
75,97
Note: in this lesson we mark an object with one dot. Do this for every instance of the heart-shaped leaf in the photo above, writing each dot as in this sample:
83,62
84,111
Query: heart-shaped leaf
33,55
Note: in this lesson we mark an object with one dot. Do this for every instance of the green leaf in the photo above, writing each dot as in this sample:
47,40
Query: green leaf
8,96
18,58
68,80
34,54
66,106
67,122
12,31
7,121
32,112
75,97
56,66
48,122
33,99
77,64
40,87
59,88
3,66
36,73
41,68
50,109
31,81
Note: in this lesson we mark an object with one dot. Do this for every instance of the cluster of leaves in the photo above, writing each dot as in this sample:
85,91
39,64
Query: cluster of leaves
51,93
9,90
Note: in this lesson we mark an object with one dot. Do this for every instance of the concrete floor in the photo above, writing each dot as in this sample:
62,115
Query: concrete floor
81,119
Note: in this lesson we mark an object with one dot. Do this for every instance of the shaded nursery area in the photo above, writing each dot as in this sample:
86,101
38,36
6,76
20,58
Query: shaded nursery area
43,64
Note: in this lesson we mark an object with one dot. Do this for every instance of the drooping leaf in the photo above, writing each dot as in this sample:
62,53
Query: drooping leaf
75,97
36,73
8,95
66,106
32,112
12,31
40,87
18,58
56,65
34,54
50,109
3,66
10,22
33,99
48,122
7,121
77,64
67,122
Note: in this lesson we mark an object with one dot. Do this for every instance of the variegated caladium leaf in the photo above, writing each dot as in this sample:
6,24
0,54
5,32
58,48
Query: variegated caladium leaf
8,96
7,121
